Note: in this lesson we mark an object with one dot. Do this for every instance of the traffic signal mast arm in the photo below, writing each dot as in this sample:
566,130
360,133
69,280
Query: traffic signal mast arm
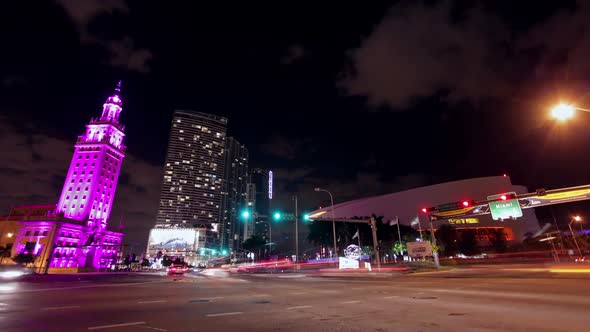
526,201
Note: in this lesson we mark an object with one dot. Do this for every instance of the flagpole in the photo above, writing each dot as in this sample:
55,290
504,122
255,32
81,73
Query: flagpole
399,234
358,237
419,228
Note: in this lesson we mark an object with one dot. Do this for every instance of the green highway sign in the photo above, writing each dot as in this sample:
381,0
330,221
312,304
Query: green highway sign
504,206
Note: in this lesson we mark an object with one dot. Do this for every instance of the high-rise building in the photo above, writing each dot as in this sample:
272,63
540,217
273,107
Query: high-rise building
189,213
73,235
193,171
235,181
89,189
261,180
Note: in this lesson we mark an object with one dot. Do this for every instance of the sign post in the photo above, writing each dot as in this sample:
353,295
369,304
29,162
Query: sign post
504,206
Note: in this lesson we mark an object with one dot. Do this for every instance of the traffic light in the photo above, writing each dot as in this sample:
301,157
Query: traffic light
276,216
466,204
224,252
213,252
429,209
306,217
202,251
245,214
508,196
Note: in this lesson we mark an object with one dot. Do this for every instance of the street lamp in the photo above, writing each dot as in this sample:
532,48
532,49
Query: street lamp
9,235
575,219
332,210
565,111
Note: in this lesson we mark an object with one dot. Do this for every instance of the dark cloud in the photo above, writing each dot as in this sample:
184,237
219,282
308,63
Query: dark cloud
280,146
123,53
39,179
419,50
294,53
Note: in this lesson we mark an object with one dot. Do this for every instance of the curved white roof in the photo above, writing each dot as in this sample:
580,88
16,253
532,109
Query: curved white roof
407,204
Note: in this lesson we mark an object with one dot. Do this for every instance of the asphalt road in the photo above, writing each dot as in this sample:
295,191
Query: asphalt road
479,299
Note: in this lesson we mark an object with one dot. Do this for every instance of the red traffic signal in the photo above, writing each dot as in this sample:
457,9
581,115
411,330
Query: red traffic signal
466,203
424,210
503,197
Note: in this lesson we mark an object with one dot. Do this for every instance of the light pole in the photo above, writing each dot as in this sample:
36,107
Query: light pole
296,232
576,218
333,222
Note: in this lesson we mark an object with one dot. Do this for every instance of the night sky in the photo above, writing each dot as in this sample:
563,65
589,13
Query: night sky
364,98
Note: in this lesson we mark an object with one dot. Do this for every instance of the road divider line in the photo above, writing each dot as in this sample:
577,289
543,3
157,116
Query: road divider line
298,293
154,301
350,302
212,298
391,297
114,325
299,307
260,295
225,314
64,307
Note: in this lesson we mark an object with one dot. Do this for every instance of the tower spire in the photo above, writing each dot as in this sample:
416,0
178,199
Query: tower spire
113,105
118,87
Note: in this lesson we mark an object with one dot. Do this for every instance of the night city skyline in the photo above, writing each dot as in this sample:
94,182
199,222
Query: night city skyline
322,96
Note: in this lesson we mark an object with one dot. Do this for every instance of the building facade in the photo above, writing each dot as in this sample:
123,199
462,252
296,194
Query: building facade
193,171
261,192
192,186
235,181
405,206
73,234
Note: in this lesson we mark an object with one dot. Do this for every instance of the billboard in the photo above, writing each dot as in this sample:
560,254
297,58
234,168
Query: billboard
176,239
419,249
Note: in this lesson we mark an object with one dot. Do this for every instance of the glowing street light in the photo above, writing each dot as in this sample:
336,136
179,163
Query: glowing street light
563,111
10,235
577,218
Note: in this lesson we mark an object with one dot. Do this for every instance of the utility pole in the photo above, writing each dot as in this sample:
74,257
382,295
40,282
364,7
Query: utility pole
296,232
434,252
375,250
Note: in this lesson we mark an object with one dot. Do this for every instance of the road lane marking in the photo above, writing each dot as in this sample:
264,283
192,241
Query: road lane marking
298,293
260,295
152,328
349,302
154,301
89,286
225,314
299,307
212,298
64,307
114,325
391,297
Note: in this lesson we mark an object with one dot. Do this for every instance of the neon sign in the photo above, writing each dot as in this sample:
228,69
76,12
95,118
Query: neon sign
269,184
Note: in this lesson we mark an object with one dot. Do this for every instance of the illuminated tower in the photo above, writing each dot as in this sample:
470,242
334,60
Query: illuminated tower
89,188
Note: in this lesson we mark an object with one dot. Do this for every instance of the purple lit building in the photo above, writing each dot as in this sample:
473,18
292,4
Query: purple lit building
72,235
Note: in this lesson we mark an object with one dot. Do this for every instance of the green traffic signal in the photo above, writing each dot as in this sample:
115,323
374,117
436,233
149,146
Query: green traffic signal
224,252
306,217
213,252
245,214
276,216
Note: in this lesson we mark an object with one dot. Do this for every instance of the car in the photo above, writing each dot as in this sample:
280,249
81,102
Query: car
14,271
177,269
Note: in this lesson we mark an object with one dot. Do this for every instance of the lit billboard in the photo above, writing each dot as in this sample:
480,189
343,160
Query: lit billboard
181,239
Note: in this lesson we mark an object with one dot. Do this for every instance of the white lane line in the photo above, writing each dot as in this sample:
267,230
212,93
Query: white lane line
225,314
64,307
349,302
298,293
299,307
260,295
212,298
89,286
391,297
152,328
114,325
154,301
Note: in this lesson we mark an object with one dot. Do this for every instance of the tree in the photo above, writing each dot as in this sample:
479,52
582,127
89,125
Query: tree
253,242
468,243
146,262
166,261
320,233
23,258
